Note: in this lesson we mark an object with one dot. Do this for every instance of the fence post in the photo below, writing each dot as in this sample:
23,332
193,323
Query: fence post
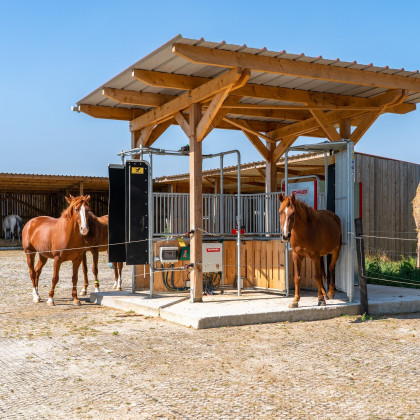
360,249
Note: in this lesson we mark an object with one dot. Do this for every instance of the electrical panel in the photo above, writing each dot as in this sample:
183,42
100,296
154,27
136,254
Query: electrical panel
168,254
212,257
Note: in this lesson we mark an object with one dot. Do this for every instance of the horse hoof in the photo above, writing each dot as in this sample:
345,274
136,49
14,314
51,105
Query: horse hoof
321,303
50,302
83,293
114,287
36,299
331,295
96,290
294,305
76,303
118,289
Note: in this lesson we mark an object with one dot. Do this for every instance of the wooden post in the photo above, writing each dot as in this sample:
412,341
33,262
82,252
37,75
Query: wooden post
360,249
9,204
81,188
196,218
270,170
345,128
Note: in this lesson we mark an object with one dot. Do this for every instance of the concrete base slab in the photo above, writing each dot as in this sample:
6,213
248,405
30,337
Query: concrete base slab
255,307
139,302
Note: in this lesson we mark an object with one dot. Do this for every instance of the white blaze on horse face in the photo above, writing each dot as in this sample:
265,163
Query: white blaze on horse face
83,228
286,219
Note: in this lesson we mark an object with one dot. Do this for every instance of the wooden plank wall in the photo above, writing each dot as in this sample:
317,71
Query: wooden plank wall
29,205
388,189
262,266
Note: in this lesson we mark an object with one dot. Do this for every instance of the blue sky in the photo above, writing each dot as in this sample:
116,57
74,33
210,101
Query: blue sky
53,53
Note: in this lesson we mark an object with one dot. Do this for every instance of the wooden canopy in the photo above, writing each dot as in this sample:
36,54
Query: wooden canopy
272,97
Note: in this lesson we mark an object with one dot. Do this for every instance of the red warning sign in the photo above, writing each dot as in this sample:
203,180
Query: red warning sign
213,249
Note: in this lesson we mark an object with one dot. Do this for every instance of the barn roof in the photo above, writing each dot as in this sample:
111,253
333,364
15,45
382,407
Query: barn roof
269,95
28,183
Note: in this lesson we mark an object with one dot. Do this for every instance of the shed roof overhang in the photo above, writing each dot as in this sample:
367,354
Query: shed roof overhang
32,183
272,97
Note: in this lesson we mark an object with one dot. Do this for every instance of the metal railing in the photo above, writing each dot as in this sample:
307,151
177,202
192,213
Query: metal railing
260,213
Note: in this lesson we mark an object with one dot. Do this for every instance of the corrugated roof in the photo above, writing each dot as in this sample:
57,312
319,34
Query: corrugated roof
163,60
12,182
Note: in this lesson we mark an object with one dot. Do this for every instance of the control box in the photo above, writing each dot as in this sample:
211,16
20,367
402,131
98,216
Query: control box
168,254
212,257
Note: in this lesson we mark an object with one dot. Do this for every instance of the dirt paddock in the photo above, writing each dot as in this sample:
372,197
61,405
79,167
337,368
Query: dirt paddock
94,362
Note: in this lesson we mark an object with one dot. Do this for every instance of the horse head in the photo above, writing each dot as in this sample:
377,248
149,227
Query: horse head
79,208
287,216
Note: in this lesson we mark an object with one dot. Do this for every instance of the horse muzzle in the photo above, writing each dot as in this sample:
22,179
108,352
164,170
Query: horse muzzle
285,238
84,231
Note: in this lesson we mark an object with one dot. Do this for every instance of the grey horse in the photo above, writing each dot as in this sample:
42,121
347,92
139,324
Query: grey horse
12,223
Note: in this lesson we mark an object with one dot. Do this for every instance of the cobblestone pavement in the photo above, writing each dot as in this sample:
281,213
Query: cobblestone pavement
95,362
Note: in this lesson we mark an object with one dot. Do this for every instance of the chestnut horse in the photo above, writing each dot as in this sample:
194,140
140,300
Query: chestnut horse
61,239
312,234
97,241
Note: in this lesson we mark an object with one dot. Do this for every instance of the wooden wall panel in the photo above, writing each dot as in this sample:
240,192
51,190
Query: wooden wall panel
389,186
29,205
262,266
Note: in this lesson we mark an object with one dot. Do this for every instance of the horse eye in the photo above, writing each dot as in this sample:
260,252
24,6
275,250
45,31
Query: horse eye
77,210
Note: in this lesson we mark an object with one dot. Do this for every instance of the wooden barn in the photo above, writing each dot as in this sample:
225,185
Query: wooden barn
30,195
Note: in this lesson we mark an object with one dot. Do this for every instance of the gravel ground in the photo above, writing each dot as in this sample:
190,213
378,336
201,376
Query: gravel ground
95,362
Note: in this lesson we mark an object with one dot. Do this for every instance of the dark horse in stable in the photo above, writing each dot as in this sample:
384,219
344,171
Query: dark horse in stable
61,239
97,241
312,234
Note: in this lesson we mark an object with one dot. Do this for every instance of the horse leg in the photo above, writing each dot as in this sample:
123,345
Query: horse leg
331,286
297,262
322,295
30,259
40,264
117,273
55,278
85,275
95,258
76,265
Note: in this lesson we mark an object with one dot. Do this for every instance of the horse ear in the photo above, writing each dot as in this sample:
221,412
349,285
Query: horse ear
281,197
293,198
68,199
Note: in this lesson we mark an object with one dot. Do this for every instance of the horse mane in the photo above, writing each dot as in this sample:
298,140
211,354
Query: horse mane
306,212
68,212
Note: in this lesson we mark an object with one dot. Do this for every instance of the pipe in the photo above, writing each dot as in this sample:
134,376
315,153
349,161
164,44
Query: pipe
151,219
286,247
222,209
238,223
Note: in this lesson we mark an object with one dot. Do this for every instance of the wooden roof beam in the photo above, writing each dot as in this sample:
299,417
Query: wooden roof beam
111,113
281,148
244,126
224,58
372,116
199,94
325,100
325,125
157,132
132,97
382,101
257,143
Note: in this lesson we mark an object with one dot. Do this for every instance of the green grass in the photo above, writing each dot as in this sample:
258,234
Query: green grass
403,273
